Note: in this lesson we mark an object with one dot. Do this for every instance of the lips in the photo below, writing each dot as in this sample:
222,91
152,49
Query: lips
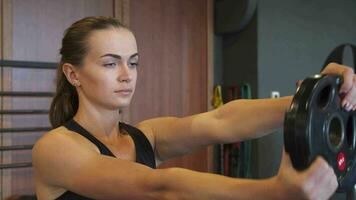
124,91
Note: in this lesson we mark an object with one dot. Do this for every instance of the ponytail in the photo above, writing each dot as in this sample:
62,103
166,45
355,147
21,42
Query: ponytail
65,102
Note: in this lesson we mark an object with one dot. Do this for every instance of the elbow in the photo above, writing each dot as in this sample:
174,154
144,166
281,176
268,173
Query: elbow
229,122
163,186
217,129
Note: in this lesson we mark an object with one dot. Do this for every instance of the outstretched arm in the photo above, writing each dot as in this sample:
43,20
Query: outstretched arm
61,164
235,121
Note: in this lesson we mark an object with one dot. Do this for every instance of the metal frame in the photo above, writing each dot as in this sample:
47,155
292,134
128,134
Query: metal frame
23,112
27,129
16,148
25,65
15,165
25,94
28,64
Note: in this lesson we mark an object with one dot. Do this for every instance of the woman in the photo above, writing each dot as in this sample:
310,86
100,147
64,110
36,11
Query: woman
91,155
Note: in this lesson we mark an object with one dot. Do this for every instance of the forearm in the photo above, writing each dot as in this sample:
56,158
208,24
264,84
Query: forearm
247,119
184,184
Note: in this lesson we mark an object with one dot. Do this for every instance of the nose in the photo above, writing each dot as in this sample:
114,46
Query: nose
125,74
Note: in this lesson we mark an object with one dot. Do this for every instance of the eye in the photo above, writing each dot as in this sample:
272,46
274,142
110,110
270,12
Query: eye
110,64
133,64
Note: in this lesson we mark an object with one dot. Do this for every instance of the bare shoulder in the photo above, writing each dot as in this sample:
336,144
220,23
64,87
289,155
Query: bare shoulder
53,137
59,140
51,142
146,128
55,149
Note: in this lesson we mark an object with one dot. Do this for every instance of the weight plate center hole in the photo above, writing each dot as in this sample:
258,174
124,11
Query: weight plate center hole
324,97
335,134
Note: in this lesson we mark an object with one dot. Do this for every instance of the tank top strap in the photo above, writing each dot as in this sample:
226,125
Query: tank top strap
144,151
74,126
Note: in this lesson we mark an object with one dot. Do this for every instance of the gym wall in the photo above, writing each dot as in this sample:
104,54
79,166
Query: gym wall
32,31
172,40
294,40
287,40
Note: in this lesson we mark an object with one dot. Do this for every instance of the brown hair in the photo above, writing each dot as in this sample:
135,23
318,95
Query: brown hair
74,48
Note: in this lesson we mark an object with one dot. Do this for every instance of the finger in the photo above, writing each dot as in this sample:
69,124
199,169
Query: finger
324,186
348,76
313,179
349,100
346,72
317,168
298,83
347,105
335,68
331,185
332,68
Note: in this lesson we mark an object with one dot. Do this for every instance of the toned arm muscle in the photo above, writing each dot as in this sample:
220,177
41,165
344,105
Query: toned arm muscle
59,161
248,119
235,121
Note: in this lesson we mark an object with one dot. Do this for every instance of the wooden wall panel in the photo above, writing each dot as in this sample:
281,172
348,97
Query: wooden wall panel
210,71
37,30
122,11
6,79
172,80
172,38
1,28
39,24
1,86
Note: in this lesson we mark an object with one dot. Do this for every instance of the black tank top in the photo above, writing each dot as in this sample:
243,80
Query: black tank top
144,151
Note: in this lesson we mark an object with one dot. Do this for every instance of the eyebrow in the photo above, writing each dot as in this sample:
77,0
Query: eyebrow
117,56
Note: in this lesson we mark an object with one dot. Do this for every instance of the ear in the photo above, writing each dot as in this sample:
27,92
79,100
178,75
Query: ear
71,73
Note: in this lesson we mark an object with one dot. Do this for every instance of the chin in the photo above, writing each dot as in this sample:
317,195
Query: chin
121,105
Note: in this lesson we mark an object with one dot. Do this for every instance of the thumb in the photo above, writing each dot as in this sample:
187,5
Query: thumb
286,163
318,168
286,158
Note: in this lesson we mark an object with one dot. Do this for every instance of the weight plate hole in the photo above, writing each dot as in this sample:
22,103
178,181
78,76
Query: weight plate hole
335,132
350,132
324,97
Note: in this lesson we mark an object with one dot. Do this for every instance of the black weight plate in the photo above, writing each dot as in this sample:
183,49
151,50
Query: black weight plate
315,124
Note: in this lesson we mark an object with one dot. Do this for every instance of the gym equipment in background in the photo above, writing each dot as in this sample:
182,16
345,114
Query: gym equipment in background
234,159
232,16
337,55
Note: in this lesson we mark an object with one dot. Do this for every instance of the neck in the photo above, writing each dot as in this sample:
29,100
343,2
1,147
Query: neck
97,120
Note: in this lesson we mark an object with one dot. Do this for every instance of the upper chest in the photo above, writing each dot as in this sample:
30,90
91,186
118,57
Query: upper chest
122,148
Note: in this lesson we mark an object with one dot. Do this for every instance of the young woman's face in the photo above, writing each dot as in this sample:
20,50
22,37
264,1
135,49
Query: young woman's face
108,75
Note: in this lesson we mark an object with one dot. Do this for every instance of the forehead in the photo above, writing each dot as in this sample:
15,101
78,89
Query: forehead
118,41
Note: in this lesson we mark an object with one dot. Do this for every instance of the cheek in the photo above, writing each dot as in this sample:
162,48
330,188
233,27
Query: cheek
98,81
